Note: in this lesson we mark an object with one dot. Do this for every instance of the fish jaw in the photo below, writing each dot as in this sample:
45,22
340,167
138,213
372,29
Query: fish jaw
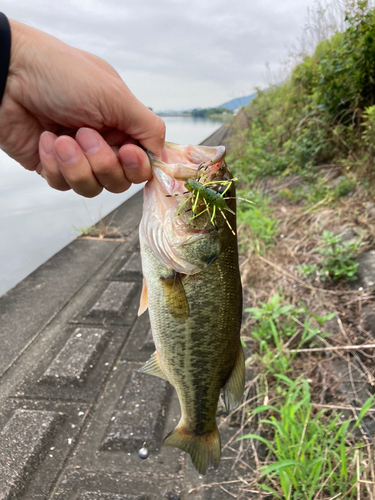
181,162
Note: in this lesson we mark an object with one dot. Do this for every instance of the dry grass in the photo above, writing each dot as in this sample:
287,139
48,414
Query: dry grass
103,230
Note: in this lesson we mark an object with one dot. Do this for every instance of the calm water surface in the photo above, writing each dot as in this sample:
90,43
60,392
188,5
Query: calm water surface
37,221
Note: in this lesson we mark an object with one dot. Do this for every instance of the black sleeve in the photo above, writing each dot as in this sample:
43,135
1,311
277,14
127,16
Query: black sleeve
4,52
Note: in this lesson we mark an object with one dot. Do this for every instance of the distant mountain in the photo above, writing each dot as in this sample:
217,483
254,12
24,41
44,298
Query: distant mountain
238,102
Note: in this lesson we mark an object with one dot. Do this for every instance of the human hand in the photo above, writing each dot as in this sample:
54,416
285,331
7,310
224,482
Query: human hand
55,92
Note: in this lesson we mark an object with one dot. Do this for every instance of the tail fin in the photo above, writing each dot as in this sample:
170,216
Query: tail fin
204,449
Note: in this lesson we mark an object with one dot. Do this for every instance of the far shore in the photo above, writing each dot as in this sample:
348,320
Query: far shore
217,117
173,114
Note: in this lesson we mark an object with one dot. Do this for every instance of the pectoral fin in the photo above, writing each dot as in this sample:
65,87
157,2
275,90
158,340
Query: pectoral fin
234,386
143,305
175,297
153,367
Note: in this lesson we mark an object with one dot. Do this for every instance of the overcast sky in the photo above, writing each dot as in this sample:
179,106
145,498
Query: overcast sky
176,54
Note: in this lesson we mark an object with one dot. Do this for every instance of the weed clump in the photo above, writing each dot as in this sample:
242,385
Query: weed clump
314,453
278,326
339,259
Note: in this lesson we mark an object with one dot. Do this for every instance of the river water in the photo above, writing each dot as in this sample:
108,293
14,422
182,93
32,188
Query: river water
37,221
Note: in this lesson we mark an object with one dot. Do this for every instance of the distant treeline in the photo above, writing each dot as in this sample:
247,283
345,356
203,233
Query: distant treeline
209,112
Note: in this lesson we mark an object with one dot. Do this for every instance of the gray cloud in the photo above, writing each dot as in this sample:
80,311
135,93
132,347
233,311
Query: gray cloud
175,53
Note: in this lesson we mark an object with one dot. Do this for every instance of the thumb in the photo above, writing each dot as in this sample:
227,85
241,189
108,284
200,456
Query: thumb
138,121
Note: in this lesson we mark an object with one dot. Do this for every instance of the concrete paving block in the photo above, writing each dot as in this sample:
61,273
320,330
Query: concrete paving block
220,136
41,385
139,415
128,267
148,344
123,484
90,455
140,345
73,361
22,445
42,434
127,216
118,472
132,268
112,299
113,303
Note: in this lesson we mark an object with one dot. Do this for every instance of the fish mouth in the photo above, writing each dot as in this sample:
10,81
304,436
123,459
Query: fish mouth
180,163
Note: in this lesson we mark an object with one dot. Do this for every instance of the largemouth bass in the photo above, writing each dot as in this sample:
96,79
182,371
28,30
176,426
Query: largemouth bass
192,288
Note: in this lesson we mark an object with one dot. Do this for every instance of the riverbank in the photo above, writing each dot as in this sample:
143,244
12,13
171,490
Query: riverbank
305,159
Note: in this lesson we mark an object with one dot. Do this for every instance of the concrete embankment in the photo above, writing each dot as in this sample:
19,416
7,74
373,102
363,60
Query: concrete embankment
220,136
74,411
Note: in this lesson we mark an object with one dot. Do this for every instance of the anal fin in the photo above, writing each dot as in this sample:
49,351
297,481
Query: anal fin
153,367
234,386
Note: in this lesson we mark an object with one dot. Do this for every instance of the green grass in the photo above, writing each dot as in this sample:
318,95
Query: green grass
323,114
277,324
319,121
84,231
258,223
309,452
339,258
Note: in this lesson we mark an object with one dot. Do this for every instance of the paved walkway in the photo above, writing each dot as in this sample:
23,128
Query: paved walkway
73,409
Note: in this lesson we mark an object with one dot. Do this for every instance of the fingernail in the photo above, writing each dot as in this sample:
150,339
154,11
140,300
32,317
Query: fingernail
88,140
66,151
47,141
131,160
